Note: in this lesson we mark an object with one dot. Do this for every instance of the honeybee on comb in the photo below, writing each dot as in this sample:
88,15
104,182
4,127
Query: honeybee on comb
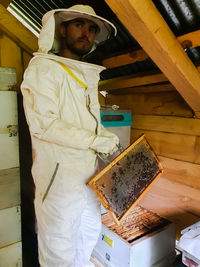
123,181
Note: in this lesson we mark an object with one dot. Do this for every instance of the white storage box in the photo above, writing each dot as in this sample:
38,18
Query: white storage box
9,152
189,244
8,79
11,255
190,260
10,226
147,240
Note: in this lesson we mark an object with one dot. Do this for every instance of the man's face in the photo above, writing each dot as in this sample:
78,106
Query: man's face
79,36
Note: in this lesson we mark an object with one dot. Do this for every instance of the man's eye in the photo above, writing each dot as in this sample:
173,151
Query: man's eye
93,29
78,24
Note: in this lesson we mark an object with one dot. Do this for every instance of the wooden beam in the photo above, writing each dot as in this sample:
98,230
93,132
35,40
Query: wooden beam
165,103
131,81
153,34
16,31
135,84
6,3
164,87
171,145
124,59
181,171
170,124
191,39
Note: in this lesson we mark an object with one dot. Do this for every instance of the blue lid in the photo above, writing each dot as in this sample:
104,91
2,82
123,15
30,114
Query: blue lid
115,119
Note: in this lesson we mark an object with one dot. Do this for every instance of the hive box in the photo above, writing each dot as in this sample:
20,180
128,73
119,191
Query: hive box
142,240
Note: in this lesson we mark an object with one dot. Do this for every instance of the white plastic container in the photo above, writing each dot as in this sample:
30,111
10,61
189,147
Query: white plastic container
10,213
189,244
11,255
8,79
9,152
190,260
154,249
10,226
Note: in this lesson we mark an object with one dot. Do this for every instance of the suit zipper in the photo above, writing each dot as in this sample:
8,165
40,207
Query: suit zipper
88,106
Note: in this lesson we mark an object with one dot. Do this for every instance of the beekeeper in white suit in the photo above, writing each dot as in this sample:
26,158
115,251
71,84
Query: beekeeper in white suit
62,111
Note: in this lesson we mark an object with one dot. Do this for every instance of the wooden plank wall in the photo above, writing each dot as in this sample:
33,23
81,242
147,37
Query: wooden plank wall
174,134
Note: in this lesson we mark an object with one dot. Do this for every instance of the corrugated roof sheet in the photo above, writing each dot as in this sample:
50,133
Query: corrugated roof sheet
182,16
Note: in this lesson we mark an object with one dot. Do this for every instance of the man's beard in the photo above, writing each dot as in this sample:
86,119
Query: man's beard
79,51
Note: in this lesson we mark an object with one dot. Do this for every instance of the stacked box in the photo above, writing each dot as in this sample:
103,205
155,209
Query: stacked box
10,213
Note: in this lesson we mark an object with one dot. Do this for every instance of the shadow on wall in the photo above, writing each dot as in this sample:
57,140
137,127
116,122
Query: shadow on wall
29,238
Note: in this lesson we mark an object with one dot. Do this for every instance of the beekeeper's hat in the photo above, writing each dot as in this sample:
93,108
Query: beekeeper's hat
106,28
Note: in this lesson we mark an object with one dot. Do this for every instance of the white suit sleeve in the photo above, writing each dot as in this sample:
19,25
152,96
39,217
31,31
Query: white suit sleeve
105,142
40,91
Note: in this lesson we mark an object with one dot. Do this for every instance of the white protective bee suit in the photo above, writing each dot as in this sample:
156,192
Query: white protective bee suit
66,134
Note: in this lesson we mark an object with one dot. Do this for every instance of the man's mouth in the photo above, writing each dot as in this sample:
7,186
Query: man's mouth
84,40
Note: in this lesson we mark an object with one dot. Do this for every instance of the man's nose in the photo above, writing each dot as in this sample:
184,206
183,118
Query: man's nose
86,31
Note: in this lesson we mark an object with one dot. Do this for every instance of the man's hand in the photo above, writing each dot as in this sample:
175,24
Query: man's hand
107,144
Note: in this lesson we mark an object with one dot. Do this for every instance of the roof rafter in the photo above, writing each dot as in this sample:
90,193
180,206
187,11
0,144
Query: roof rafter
16,31
153,34
6,3
191,39
131,81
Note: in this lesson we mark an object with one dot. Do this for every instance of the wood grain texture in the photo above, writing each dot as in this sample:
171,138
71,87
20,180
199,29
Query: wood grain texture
131,81
5,3
17,31
124,59
174,201
174,146
10,54
191,39
182,172
163,87
171,124
160,103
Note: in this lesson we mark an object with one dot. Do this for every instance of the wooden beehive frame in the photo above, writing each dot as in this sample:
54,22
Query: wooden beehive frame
94,180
